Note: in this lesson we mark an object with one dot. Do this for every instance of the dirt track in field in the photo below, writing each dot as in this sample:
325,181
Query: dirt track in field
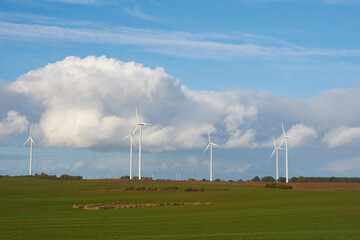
296,186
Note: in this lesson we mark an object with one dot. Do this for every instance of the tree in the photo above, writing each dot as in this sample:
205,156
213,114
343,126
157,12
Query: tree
301,179
268,179
255,179
282,179
293,179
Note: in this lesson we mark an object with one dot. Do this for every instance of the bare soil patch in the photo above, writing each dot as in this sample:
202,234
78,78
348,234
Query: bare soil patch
313,186
296,186
102,206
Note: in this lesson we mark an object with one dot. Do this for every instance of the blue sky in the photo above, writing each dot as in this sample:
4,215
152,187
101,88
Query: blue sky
236,69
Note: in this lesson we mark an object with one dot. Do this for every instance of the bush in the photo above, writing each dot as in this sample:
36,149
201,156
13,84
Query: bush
217,180
172,188
190,189
280,186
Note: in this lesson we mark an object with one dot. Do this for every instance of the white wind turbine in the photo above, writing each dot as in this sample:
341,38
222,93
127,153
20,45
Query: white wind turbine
130,136
139,125
31,139
211,144
276,148
286,137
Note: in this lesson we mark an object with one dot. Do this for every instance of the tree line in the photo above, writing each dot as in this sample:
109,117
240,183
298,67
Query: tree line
45,176
303,179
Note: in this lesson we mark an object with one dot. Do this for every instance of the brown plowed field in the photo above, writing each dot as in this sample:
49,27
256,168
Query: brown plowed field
300,186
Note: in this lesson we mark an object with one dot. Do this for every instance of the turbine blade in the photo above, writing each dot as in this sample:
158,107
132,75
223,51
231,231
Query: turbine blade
26,141
33,141
272,154
282,125
274,141
137,117
125,137
145,124
137,126
209,136
206,148
214,144
282,141
30,128
281,148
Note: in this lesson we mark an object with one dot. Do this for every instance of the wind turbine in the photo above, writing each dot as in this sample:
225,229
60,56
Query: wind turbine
211,144
31,139
276,148
286,137
130,136
139,125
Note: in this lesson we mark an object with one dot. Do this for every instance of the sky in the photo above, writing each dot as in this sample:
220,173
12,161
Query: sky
76,69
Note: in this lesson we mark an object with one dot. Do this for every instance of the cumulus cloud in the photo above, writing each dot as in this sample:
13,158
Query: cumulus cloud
13,123
300,134
241,139
342,136
90,103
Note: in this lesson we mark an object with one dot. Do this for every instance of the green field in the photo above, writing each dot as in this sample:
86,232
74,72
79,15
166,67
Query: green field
42,209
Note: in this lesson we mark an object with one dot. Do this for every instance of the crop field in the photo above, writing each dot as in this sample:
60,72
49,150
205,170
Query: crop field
43,209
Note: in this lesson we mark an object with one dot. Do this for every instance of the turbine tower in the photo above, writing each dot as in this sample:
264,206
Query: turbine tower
276,148
211,144
286,137
130,136
31,139
139,125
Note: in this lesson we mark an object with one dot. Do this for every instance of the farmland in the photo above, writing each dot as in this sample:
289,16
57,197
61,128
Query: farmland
43,209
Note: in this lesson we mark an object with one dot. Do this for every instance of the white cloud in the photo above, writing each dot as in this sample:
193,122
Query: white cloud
299,133
14,123
342,136
238,139
82,2
89,103
183,44
136,12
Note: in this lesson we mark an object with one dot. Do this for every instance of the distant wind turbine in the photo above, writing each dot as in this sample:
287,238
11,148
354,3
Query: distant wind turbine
211,144
276,148
130,136
285,138
31,139
139,125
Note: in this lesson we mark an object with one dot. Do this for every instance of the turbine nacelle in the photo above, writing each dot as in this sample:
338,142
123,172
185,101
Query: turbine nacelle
285,137
210,143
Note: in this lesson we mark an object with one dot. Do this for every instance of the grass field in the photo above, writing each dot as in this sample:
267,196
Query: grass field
42,209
